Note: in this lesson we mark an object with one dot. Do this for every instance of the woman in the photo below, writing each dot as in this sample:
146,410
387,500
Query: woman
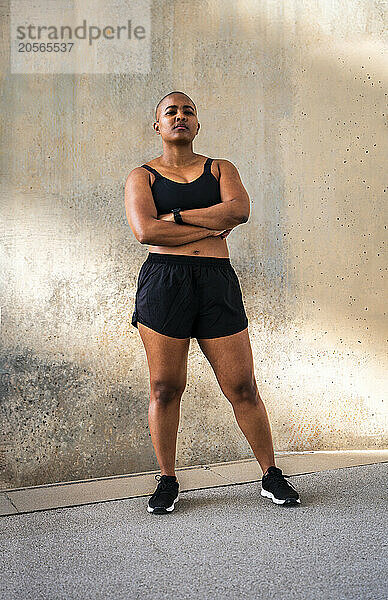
183,206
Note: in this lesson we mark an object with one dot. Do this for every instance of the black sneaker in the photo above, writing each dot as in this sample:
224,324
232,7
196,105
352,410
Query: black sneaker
164,497
274,486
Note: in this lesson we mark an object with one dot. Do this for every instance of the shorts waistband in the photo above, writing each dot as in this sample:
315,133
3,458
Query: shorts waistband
156,257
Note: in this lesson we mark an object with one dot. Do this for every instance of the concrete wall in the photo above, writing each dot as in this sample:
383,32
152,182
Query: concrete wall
294,94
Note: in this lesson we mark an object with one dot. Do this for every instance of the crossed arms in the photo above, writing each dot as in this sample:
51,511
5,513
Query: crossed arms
199,222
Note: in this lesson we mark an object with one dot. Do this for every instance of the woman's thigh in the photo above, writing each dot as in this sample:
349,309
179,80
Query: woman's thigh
166,357
232,361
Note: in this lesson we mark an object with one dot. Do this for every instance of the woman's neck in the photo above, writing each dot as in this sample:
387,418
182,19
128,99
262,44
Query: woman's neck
177,156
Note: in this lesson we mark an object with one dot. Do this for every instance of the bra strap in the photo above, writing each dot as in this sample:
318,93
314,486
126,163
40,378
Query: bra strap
208,164
152,170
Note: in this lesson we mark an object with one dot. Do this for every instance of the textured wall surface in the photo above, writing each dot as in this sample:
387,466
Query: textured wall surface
294,94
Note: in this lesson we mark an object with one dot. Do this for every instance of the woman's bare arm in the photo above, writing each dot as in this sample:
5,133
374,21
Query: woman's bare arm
142,216
234,208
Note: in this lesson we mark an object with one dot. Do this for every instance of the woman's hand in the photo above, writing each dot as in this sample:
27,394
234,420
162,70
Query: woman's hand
223,233
167,217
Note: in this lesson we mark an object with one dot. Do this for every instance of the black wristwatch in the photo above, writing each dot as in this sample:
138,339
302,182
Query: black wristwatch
177,215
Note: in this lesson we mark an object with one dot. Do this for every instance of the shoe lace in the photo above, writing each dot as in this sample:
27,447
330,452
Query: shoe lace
163,484
280,479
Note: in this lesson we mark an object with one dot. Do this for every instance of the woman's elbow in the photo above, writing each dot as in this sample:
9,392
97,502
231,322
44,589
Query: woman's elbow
242,211
241,218
143,238
147,236
140,235
143,233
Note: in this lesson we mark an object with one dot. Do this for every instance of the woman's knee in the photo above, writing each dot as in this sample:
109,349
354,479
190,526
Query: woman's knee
164,392
242,391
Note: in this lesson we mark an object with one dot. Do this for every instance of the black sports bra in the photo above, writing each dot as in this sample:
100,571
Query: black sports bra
200,193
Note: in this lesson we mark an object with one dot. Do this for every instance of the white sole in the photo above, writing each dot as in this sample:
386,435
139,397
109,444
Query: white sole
270,495
169,509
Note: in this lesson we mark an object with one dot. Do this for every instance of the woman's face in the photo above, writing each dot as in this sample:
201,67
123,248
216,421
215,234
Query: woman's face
177,119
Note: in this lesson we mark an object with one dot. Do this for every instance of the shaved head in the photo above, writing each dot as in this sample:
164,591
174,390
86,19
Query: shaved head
166,96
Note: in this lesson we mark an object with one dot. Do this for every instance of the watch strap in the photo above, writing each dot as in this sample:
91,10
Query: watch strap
177,216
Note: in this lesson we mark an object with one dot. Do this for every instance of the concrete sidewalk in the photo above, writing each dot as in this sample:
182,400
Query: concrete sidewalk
118,487
221,542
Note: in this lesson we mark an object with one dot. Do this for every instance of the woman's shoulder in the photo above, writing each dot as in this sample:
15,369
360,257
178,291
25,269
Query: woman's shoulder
140,170
138,174
223,165
223,162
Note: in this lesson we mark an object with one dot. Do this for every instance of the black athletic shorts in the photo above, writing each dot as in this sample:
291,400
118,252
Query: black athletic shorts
189,296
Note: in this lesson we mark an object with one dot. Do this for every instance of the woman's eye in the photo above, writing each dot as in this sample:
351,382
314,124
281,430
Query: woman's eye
171,112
